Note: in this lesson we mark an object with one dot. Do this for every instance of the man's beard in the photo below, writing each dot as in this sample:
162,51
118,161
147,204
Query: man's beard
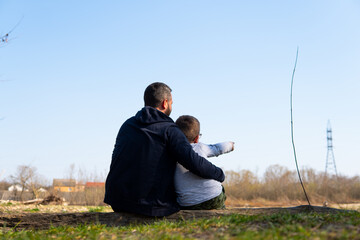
168,111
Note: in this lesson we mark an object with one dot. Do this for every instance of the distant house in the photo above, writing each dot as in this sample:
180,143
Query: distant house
16,188
94,193
42,190
67,185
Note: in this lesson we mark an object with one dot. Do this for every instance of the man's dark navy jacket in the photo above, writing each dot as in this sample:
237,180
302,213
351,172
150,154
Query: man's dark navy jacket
141,177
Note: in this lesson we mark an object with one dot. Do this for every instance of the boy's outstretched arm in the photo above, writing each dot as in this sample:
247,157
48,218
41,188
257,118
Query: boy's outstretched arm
214,150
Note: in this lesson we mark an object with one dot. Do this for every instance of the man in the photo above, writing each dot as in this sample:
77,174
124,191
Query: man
147,148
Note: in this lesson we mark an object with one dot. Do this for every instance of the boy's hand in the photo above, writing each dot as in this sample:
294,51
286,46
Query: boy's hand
233,146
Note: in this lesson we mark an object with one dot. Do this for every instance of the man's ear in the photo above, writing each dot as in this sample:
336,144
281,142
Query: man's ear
196,140
164,104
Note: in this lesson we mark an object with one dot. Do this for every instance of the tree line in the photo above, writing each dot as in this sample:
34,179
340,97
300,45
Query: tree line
277,184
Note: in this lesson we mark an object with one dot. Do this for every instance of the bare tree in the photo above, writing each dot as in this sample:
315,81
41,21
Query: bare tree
35,184
5,38
26,176
71,172
4,185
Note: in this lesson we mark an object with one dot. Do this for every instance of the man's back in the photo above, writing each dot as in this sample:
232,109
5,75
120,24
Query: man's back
135,181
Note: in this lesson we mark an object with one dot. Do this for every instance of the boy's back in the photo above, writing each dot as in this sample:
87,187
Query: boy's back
191,189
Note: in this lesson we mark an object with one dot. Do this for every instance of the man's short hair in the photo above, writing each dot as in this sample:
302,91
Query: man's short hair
189,125
156,93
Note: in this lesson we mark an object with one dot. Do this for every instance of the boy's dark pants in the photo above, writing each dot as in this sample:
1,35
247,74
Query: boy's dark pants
214,203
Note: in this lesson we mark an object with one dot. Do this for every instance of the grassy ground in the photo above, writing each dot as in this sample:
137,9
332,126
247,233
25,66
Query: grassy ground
345,225
12,207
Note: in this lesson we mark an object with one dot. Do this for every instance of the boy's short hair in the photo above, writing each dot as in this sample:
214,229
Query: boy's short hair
189,125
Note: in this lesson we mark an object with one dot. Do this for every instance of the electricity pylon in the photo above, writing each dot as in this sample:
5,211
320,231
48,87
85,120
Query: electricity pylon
330,167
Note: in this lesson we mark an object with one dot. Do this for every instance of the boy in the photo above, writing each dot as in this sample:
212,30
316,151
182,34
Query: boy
193,192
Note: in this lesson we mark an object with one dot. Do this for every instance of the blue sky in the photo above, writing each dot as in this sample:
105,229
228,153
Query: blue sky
74,71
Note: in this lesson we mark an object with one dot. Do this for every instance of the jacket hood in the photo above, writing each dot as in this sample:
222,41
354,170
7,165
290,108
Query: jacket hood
150,115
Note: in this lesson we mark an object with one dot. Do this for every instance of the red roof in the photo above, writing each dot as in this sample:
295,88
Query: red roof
94,184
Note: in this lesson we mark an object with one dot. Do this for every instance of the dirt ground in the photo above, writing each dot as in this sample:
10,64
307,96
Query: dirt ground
18,216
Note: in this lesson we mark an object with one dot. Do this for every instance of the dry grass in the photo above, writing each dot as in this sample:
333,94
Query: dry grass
17,207
280,186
